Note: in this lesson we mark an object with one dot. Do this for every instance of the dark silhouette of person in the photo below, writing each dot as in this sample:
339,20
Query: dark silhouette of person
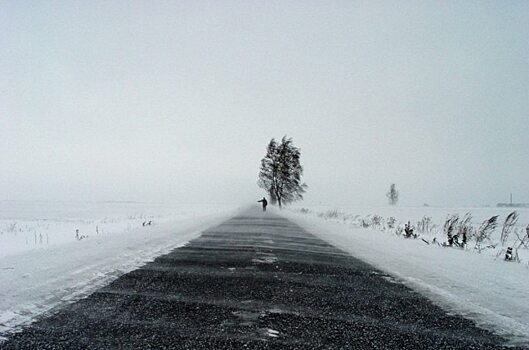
265,203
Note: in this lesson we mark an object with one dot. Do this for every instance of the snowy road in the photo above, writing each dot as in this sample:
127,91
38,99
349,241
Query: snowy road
257,281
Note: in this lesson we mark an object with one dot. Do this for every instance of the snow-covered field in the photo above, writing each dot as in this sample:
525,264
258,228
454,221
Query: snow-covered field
44,263
414,214
39,225
483,287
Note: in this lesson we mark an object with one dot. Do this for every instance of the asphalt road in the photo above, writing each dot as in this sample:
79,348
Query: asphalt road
257,281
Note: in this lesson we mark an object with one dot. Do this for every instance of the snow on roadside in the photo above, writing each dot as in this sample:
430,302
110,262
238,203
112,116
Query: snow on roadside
492,293
37,281
41,225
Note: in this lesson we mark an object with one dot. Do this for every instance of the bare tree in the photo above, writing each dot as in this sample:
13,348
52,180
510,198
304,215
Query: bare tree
449,228
281,172
508,225
522,241
485,230
393,194
465,229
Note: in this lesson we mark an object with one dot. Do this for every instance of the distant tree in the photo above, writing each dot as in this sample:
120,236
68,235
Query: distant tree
393,195
272,196
281,171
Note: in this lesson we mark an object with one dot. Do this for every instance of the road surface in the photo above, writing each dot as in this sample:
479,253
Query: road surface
257,281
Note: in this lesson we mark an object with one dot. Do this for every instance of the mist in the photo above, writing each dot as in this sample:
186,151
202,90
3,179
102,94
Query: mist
176,101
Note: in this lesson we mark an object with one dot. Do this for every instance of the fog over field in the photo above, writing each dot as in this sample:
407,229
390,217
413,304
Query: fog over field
176,101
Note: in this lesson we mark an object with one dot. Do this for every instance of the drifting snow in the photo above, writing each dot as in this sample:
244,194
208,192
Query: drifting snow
480,287
40,225
35,278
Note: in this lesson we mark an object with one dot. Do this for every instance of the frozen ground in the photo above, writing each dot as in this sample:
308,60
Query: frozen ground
414,214
482,287
40,225
37,275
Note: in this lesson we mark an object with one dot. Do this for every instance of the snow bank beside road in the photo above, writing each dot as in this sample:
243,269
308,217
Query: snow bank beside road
36,281
493,293
41,225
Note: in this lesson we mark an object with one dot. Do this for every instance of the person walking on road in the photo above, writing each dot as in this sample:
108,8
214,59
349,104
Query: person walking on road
265,203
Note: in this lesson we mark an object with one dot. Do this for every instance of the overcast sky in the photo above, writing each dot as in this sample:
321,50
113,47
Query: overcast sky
176,101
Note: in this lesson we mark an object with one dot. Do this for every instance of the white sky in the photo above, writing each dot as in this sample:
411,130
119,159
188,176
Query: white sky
176,101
